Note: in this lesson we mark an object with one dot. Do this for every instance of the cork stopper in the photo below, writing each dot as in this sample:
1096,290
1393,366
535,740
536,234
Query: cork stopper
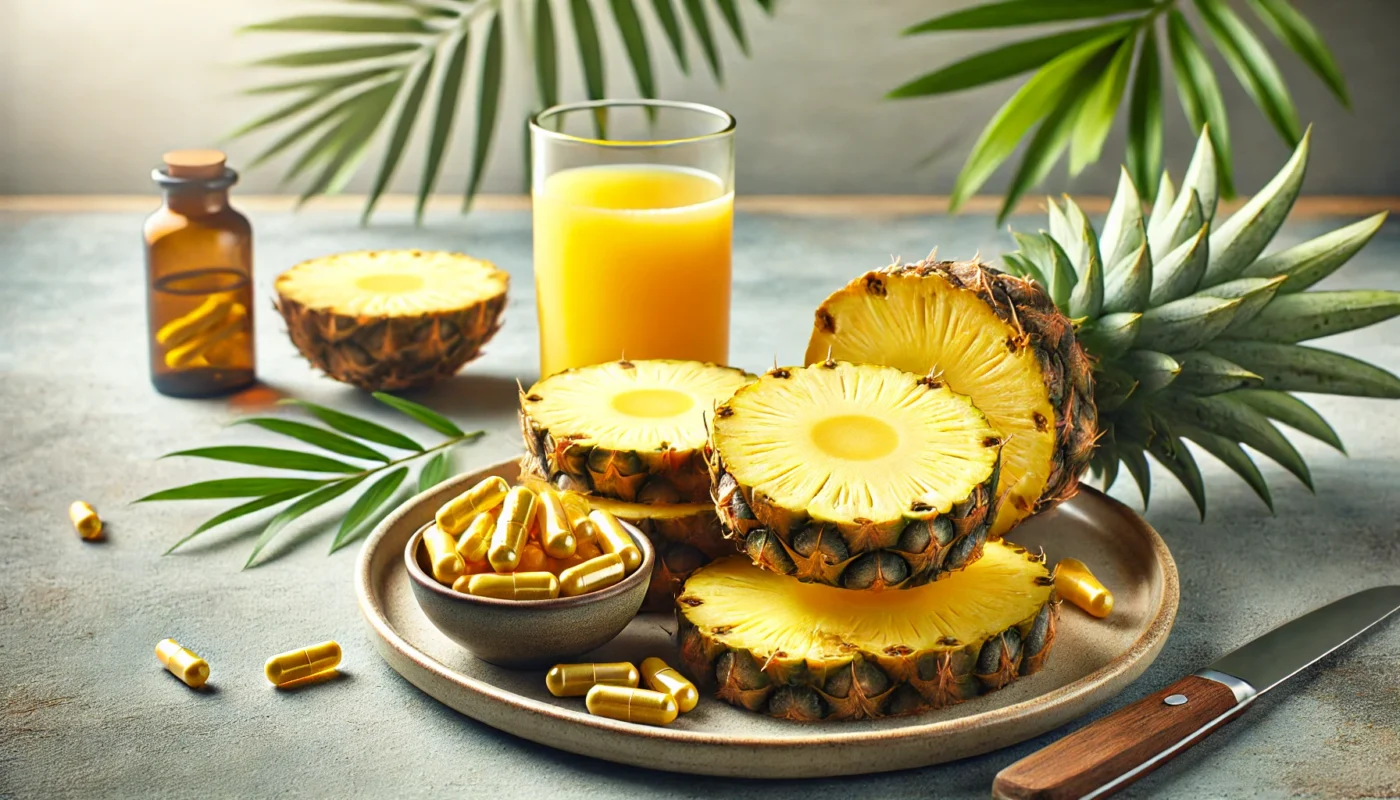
198,164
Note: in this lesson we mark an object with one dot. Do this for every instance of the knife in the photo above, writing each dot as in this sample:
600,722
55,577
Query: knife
1100,759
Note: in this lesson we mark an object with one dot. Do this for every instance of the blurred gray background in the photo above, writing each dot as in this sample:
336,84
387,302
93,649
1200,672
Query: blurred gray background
92,91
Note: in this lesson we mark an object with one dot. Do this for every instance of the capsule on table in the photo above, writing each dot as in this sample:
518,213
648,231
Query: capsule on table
576,509
574,680
514,585
613,538
456,514
476,540
631,705
182,663
447,566
85,520
517,515
1075,583
660,677
295,665
592,575
556,533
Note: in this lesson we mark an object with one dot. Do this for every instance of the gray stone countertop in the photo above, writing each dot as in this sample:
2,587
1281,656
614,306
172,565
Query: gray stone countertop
85,710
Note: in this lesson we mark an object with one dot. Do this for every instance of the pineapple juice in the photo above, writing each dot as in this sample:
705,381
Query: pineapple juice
634,260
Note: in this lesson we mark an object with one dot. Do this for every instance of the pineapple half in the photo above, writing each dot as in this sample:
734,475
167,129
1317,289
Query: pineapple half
859,476
995,338
626,430
804,651
391,319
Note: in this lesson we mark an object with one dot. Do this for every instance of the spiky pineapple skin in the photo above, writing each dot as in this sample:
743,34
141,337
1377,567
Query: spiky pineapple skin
391,353
863,684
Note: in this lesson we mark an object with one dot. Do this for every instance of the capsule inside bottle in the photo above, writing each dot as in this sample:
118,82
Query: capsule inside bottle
457,513
574,680
660,677
592,575
556,534
631,705
1075,583
446,565
515,585
296,665
613,538
517,515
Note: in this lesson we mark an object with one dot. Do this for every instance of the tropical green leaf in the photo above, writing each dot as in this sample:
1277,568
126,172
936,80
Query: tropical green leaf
1294,30
1153,371
330,114
1011,13
670,23
1185,324
1312,315
1228,417
1047,144
766,5
1145,122
234,487
1099,109
1176,274
1172,454
1292,412
546,55
1012,59
1200,93
1204,373
379,493
449,87
337,55
1313,260
590,53
1295,368
1233,456
1253,67
488,102
1111,335
421,413
1235,244
320,437
289,110
351,143
700,23
359,428
403,127
730,11
1129,284
1123,227
437,470
324,85
634,39
298,509
325,23
236,512
268,457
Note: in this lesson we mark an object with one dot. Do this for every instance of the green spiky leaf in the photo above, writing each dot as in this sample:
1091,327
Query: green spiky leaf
1307,263
1254,295
1204,373
1123,228
1233,456
1312,315
1295,368
1111,335
1185,324
1176,274
1292,412
1235,244
1225,416
1129,284
1172,454
1153,371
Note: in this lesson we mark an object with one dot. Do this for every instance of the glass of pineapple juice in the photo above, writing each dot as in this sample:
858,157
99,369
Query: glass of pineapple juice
633,228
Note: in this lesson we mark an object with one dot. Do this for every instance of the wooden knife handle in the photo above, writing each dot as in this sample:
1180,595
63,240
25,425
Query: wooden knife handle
1114,746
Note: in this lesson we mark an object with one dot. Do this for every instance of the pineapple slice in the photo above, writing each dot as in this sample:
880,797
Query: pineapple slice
807,652
626,430
858,476
993,337
391,319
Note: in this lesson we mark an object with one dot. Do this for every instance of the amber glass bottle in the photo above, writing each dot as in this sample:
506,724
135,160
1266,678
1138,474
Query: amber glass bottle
199,274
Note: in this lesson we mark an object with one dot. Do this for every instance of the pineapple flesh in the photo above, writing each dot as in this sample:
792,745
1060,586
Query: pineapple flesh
858,476
626,430
992,337
394,319
808,652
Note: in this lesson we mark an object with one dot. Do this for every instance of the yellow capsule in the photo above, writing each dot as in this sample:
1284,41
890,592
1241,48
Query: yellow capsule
574,680
456,514
85,520
556,533
189,352
613,538
631,705
183,664
293,666
442,554
660,677
515,585
1075,583
517,515
205,318
576,509
592,575
476,541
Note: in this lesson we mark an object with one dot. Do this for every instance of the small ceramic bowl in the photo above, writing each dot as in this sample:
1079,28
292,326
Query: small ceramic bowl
524,634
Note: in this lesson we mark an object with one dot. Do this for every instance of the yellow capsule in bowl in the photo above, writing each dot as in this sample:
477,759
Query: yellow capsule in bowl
592,575
515,585
456,514
556,533
574,680
576,509
476,540
446,565
517,515
631,705
613,538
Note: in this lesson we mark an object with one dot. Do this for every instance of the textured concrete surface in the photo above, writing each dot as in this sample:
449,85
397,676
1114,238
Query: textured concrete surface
85,710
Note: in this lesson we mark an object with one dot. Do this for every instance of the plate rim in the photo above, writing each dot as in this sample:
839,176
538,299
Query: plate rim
1124,668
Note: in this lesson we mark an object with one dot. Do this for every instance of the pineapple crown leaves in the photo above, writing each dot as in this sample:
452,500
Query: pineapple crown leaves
1080,77
418,51
340,434
1195,336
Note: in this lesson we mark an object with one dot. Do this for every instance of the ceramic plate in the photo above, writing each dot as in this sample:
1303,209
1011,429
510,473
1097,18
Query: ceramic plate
1092,661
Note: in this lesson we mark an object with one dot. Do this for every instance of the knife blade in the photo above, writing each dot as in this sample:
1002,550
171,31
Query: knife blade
1103,757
